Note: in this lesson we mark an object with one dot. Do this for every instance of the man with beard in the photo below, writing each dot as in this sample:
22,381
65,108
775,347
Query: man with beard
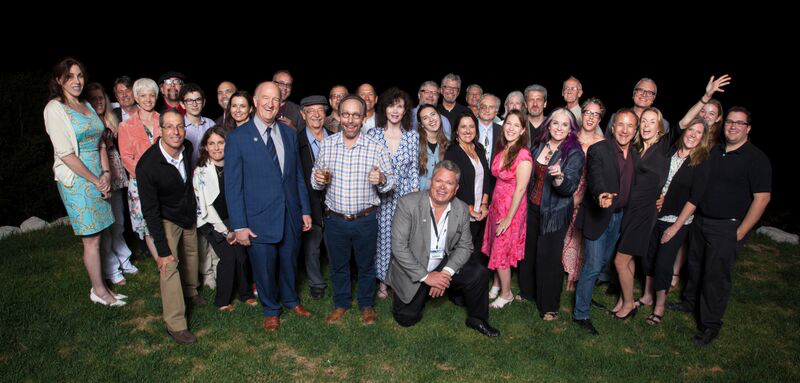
355,170
171,84
535,101
451,88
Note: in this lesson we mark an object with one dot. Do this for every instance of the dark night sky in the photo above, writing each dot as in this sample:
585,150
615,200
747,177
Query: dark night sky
607,70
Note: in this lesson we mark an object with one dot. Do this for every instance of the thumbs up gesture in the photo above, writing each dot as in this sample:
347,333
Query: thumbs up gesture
375,176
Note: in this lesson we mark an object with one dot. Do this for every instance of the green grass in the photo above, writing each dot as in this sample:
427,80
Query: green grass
50,332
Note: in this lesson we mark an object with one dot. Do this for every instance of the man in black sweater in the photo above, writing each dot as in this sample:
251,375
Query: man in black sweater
170,209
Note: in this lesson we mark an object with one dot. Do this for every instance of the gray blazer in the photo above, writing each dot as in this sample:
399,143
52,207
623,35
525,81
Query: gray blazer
411,242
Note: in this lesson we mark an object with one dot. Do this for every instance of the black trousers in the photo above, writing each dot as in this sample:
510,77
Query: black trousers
660,258
471,281
712,253
541,272
476,229
232,269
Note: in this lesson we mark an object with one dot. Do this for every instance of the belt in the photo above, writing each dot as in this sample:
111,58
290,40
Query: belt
351,217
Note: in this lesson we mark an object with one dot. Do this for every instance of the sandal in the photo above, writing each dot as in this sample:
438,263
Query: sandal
500,302
550,316
654,319
640,303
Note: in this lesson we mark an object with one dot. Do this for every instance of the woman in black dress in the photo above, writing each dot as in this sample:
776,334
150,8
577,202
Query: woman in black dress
640,215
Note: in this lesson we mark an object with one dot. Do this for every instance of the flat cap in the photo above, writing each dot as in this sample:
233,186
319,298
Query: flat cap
314,100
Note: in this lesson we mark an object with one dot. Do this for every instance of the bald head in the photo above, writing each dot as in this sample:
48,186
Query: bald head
267,100
367,93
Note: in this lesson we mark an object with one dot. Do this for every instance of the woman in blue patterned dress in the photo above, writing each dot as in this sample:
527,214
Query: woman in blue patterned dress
81,169
393,129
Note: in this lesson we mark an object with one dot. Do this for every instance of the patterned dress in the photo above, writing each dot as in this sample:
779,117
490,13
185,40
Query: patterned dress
572,257
88,212
405,164
509,248
135,204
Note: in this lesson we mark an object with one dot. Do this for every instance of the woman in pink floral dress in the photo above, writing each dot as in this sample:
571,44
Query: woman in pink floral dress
504,237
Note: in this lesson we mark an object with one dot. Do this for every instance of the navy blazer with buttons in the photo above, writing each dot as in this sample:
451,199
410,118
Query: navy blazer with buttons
258,195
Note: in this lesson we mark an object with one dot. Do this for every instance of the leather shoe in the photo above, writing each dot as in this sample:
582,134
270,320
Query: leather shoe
335,315
682,306
705,337
482,327
272,324
587,325
317,292
300,310
182,337
198,300
251,302
368,316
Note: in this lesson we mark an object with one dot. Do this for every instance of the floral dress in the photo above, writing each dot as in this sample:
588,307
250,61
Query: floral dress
509,248
405,164
88,212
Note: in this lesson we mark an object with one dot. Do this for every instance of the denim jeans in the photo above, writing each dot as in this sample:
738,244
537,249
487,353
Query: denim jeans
596,255
360,237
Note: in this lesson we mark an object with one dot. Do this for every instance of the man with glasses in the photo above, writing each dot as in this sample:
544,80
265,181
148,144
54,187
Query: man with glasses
535,101
488,131
335,96
451,87
644,94
123,91
169,207
736,195
474,93
289,114
354,170
171,84
192,100
572,90
429,94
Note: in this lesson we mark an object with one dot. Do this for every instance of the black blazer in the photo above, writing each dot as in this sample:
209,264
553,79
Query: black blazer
315,197
466,183
164,194
602,176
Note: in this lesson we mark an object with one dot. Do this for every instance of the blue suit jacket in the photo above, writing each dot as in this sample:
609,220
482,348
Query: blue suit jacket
257,194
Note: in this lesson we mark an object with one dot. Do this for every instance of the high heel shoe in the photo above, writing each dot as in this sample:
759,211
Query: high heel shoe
500,302
96,299
631,314
493,292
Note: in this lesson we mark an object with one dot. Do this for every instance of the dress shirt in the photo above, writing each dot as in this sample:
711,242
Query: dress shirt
178,164
275,133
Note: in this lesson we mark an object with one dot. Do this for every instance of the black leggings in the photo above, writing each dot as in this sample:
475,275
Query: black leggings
660,258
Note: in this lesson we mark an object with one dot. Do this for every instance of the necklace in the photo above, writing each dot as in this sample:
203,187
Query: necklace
549,153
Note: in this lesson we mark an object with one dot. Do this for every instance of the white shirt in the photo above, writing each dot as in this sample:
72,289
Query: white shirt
368,124
478,185
485,137
438,242
178,164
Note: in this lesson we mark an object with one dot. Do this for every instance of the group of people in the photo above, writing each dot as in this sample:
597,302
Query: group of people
438,199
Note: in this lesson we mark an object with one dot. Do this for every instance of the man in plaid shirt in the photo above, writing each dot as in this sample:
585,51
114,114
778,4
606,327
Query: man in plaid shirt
354,169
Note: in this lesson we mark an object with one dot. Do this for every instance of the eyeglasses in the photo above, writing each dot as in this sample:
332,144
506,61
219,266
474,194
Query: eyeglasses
487,107
173,127
173,81
193,101
645,92
429,92
738,124
338,96
449,88
571,89
345,115
589,113
284,84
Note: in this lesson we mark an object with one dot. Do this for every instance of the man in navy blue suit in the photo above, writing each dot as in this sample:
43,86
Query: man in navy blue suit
268,202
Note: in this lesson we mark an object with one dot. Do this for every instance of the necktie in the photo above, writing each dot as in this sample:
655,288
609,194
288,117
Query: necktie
271,149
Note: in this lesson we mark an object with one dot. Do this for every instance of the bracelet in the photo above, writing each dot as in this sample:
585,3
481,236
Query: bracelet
704,102
106,171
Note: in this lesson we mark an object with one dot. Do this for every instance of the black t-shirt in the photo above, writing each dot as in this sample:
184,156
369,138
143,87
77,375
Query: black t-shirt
733,179
432,147
452,115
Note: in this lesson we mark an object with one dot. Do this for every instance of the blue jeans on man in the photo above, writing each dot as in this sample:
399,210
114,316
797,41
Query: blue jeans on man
596,255
342,236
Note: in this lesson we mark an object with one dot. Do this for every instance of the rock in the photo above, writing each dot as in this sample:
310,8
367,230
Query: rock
63,221
33,223
5,231
778,235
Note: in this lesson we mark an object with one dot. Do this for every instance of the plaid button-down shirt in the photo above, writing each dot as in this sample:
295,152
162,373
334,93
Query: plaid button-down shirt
349,191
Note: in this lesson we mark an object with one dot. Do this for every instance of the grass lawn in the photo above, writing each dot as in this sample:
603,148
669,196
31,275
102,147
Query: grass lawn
51,332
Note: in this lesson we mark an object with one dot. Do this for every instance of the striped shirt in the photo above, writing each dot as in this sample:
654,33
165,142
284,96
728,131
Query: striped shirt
350,191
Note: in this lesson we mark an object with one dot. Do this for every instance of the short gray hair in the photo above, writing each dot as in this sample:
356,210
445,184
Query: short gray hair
144,84
573,78
487,95
452,77
646,79
448,165
536,88
428,83
475,86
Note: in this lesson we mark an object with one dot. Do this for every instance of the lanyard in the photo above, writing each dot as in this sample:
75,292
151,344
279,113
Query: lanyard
436,226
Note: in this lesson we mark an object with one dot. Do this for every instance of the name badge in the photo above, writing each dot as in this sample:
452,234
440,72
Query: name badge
437,254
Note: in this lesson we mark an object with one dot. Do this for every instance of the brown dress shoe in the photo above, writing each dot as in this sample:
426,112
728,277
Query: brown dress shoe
251,302
182,337
335,315
272,323
368,316
300,310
